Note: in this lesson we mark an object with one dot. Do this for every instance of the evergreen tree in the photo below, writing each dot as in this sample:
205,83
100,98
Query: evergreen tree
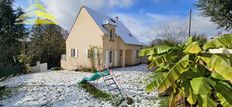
47,44
11,34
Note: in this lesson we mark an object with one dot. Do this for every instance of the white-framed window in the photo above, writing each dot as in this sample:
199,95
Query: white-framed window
88,53
110,56
72,52
95,53
137,53
111,34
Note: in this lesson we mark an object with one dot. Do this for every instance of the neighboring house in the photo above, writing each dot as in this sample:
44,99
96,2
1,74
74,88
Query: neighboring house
119,46
221,50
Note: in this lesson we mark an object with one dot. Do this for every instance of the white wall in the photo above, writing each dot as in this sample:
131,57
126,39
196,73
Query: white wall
39,67
221,50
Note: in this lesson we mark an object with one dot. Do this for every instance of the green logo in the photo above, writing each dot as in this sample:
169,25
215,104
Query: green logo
36,14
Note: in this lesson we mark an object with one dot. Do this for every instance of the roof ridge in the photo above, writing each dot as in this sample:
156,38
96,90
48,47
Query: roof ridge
88,8
121,30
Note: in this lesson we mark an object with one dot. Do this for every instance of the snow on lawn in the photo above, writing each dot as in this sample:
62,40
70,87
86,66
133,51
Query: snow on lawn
60,88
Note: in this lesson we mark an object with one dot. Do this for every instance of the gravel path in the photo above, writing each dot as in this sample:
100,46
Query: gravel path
60,88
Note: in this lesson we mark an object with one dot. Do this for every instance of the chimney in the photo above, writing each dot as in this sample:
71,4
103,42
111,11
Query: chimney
116,17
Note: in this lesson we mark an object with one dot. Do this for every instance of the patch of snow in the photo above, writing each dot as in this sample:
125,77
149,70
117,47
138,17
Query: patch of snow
60,88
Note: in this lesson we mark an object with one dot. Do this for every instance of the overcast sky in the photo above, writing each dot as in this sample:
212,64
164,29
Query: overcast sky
142,17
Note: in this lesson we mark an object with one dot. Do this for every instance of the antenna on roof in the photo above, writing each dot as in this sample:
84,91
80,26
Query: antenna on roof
117,17
82,3
190,22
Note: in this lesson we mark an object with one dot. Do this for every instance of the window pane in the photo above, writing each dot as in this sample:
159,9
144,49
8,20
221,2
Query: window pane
137,53
95,53
72,52
111,35
89,53
110,59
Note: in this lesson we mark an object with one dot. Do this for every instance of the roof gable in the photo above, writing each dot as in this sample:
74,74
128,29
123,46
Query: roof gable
121,29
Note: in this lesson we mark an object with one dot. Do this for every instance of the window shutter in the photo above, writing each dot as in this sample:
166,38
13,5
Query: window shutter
68,52
95,53
106,57
76,53
86,53
89,53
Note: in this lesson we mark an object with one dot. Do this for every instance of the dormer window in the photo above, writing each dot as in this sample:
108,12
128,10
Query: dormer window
111,34
113,20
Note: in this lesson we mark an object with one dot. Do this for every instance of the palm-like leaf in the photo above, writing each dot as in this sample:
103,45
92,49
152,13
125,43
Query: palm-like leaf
207,101
202,85
174,74
156,82
225,41
160,59
160,49
193,48
223,100
146,52
224,92
156,50
220,65
192,98
192,74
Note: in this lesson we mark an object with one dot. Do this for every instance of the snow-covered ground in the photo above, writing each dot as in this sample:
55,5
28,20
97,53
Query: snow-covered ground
60,88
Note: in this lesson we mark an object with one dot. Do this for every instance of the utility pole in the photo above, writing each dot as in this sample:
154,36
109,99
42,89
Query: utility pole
190,22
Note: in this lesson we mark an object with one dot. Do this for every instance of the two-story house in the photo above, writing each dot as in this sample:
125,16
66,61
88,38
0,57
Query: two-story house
91,28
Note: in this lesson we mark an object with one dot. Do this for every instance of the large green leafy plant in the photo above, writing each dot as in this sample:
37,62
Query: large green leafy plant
190,74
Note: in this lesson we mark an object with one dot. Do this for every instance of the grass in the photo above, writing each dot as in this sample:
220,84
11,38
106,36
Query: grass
5,92
96,93
164,101
2,79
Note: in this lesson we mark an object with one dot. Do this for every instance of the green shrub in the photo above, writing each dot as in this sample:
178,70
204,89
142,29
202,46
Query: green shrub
191,75
4,92
10,70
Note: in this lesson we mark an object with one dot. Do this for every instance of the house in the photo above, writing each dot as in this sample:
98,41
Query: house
118,45
220,51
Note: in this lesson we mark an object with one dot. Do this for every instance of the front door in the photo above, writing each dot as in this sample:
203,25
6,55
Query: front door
109,58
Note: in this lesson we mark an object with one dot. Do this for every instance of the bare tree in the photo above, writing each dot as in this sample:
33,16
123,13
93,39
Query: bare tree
175,33
95,55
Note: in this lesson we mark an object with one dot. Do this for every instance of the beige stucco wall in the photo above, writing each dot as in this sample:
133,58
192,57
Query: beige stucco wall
128,57
118,45
85,33
135,60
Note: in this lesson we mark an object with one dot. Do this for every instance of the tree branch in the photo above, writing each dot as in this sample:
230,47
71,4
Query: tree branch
1,14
